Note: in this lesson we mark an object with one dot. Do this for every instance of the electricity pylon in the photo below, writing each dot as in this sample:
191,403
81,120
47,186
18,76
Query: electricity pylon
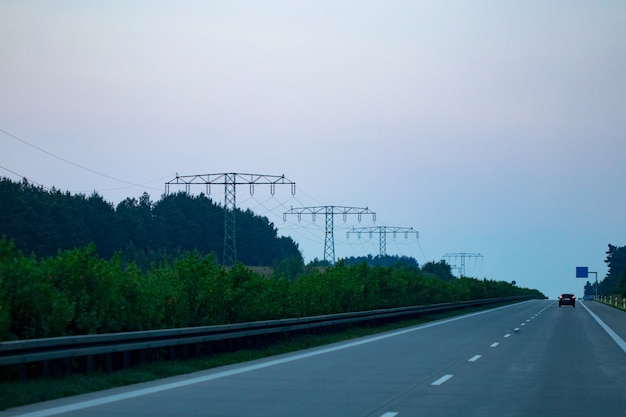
230,182
329,213
462,256
383,231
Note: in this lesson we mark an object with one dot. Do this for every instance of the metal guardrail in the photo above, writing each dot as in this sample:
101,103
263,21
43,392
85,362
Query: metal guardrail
82,351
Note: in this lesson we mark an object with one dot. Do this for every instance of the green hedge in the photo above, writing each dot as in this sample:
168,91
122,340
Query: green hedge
77,292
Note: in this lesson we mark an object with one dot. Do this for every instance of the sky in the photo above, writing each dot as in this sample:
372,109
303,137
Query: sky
490,127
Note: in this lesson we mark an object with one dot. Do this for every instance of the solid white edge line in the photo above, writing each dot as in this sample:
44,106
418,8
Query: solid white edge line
442,379
620,342
183,383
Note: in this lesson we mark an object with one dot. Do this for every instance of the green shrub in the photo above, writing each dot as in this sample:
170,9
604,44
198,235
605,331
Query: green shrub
77,292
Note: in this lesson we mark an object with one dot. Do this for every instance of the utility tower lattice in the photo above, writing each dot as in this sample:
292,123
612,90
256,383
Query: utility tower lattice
462,256
230,182
329,213
383,231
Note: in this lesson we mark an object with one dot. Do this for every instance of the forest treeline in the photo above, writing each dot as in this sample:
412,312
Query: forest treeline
614,283
42,221
78,292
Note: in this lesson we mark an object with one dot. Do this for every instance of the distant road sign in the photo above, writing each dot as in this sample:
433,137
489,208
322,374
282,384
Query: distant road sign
582,272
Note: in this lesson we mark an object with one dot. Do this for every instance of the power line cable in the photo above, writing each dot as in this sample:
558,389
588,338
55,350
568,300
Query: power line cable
70,162
12,172
22,176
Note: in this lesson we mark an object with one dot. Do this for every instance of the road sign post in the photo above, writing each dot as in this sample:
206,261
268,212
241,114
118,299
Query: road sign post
583,272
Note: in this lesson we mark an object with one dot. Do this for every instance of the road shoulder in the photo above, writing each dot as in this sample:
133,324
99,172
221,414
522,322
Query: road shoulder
614,318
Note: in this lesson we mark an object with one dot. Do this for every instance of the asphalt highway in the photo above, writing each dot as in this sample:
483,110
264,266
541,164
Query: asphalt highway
527,359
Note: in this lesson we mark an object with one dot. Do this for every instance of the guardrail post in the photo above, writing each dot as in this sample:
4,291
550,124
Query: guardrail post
172,353
22,371
126,359
109,363
89,364
69,366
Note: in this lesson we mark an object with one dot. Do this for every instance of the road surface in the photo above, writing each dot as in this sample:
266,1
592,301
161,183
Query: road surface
527,359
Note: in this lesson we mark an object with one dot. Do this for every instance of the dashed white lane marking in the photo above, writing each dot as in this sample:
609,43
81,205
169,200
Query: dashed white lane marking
516,329
507,335
390,414
523,324
442,379
494,344
474,358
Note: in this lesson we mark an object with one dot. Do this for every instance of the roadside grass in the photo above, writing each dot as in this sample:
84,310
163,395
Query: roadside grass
15,394
617,303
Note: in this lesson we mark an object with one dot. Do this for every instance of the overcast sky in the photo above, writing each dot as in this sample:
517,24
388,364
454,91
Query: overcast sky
491,127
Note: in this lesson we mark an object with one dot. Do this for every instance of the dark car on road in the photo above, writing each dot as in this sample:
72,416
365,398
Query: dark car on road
567,300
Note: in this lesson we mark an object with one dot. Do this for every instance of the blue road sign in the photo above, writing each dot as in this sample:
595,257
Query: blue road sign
582,272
